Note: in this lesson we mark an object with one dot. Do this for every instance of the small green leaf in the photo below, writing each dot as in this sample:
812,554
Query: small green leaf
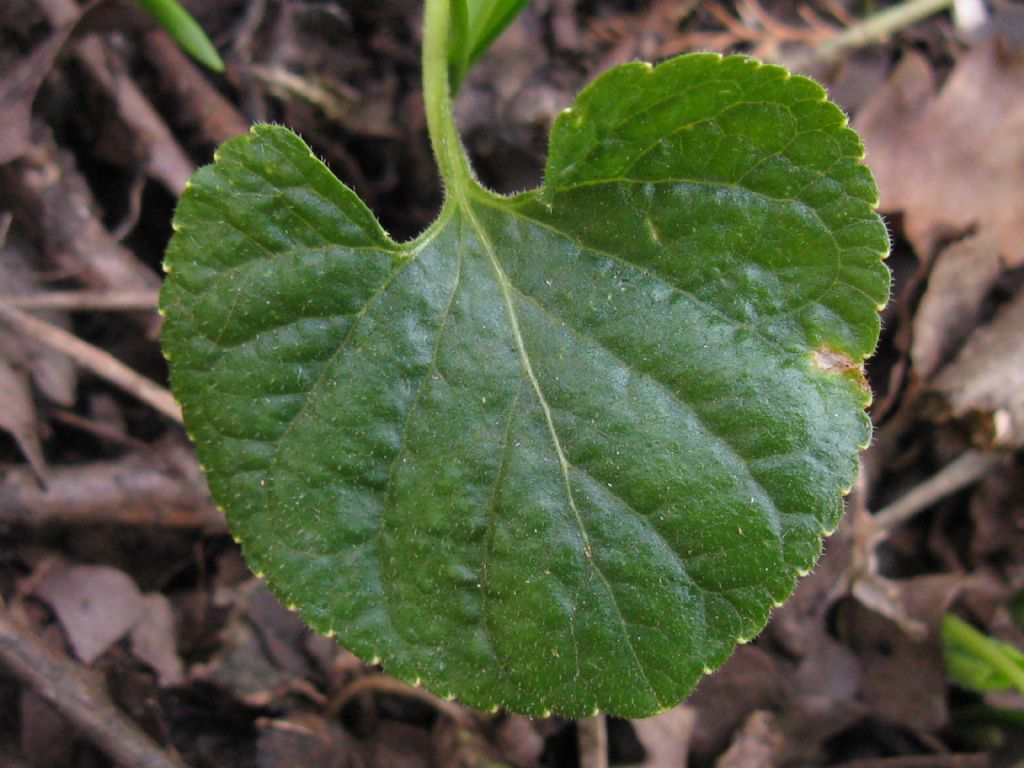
565,449
185,31
488,19
978,662
476,24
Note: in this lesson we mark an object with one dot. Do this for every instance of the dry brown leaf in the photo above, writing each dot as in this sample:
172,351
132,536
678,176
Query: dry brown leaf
986,380
823,701
955,161
666,737
259,659
95,604
757,744
902,672
751,679
52,372
18,417
401,745
520,743
950,309
18,91
305,739
153,640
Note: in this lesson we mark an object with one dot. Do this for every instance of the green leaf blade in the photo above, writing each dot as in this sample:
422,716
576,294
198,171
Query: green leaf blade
564,450
186,32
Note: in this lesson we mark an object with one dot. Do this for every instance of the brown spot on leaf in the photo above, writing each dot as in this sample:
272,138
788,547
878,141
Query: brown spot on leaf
829,360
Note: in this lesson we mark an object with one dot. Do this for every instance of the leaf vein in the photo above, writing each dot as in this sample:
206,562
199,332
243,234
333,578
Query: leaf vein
505,285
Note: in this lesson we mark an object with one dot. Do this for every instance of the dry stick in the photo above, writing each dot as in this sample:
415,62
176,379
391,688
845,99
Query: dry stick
85,300
388,685
335,103
881,25
970,467
592,733
97,428
96,360
67,687
141,489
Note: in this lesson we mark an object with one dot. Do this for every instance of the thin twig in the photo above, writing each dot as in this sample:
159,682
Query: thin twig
376,684
67,687
881,25
161,489
85,300
96,360
335,101
97,428
592,733
966,470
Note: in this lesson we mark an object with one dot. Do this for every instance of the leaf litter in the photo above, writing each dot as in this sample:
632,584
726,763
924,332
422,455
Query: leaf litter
834,693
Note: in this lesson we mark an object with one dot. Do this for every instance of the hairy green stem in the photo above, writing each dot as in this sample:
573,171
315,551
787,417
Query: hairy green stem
456,172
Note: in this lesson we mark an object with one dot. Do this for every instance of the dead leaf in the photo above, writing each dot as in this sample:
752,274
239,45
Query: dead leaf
997,514
903,674
153,640
305,739
956,161
18,418
458,743
52,372
259,658
750,680
95,604
823,701
18,91
666,737
962,276
519,741
986,380
400,745
757,744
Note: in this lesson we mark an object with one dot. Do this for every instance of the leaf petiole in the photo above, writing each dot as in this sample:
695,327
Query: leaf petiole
453,164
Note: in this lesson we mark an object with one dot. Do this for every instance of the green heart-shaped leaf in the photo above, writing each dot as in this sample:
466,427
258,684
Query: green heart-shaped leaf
565,449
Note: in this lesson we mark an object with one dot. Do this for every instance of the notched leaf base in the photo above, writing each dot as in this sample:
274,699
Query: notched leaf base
563,450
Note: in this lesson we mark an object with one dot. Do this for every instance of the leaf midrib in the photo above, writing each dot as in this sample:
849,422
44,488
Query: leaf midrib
464,204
